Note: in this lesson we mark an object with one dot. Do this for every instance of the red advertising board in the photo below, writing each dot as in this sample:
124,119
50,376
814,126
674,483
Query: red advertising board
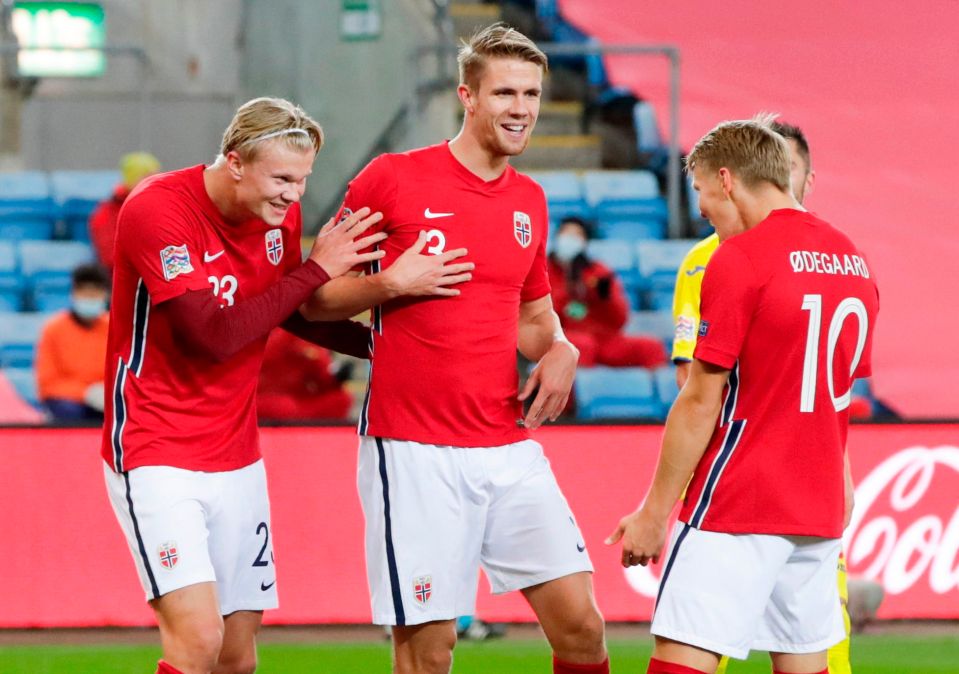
64,562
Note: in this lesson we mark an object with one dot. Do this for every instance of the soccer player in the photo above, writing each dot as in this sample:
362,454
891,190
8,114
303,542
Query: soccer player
788,311
448,476
207,263
686,317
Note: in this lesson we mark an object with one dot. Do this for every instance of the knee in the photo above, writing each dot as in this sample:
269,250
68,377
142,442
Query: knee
583,638
200,644
245,664
435,658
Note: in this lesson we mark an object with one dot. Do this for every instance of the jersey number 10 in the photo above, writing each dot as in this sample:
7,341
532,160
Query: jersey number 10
851,306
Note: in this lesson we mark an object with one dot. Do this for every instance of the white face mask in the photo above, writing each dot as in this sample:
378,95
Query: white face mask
88,309
568,246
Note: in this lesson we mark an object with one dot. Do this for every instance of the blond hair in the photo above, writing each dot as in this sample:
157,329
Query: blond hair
495,41
263,119
749,148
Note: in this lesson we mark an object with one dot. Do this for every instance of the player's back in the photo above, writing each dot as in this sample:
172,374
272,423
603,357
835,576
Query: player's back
789,307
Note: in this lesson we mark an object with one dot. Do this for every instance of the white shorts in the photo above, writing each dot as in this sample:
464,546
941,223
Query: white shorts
732,593
185,527
434,514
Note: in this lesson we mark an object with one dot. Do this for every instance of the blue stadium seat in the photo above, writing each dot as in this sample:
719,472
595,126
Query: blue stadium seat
49,299
77,193
619,196
27,210
564,194
657,263
24,382
666,387
633,229
51,262
659,324
19,333
616,393
11,283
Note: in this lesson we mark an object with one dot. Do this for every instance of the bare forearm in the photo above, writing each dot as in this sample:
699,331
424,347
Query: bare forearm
346,296
689,427
538,333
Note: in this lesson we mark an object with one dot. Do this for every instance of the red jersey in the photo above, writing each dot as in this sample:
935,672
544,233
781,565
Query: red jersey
164,405
444,369
790,308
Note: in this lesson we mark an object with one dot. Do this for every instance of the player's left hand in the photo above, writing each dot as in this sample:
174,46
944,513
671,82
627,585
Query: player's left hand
643,538
553,376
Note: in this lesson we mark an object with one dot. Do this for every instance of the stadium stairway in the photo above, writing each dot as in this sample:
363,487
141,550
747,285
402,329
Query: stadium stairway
558,140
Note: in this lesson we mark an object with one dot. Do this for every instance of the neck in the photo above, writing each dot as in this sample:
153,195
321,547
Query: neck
477,159
756,205
221,189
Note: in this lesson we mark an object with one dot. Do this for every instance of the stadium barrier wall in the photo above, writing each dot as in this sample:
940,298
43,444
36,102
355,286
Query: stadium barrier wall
64,562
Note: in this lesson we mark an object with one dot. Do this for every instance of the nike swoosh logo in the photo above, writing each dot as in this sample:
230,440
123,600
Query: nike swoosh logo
695,270
209,258
265,587
580,547
430,215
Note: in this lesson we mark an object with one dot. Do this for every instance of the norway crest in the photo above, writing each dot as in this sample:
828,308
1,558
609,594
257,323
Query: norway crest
422,589
168,555
274,246
522,229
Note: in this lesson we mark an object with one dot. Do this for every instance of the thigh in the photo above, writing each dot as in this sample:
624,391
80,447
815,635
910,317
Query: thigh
241,539
160,511
804,613
424,526
531,535
715,588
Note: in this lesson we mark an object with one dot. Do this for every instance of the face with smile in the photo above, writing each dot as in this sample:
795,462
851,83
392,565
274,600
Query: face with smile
501,112
267,186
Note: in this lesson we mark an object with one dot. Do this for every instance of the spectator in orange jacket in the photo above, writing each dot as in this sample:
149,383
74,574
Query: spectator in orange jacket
134,167
592,305
73,348
297,381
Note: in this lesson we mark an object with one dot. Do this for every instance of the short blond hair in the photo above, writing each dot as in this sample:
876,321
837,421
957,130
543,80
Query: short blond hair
749,148
495,41
265,118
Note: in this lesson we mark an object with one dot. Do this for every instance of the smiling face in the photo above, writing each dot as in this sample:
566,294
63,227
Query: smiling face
502,110
272,182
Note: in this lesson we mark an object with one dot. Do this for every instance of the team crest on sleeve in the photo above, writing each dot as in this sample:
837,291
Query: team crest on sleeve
422,589
274,246
522,229
168,555
175,261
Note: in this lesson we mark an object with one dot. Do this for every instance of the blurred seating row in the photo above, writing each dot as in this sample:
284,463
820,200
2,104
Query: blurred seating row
35,275
36,205
635,392
647,268
624,204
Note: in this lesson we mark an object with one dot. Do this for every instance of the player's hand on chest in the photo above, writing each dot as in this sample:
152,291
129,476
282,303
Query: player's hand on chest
501,240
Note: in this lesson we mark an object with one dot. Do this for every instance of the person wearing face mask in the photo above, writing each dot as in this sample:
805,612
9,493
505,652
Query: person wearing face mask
72,349
592,304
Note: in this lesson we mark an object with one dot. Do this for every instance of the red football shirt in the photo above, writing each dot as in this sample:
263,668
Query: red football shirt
789,307
165,406
444,369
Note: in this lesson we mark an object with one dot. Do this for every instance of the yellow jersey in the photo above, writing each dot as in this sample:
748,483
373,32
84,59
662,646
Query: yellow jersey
689,283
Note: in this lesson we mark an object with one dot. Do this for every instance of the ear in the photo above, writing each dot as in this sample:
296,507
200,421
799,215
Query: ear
726,179
810,181
234,165
465,95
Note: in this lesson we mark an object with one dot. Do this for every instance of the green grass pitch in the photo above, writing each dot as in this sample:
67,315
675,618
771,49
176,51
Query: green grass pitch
872,654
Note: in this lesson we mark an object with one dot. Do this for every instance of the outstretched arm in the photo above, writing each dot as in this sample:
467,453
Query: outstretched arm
689,426
412,274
